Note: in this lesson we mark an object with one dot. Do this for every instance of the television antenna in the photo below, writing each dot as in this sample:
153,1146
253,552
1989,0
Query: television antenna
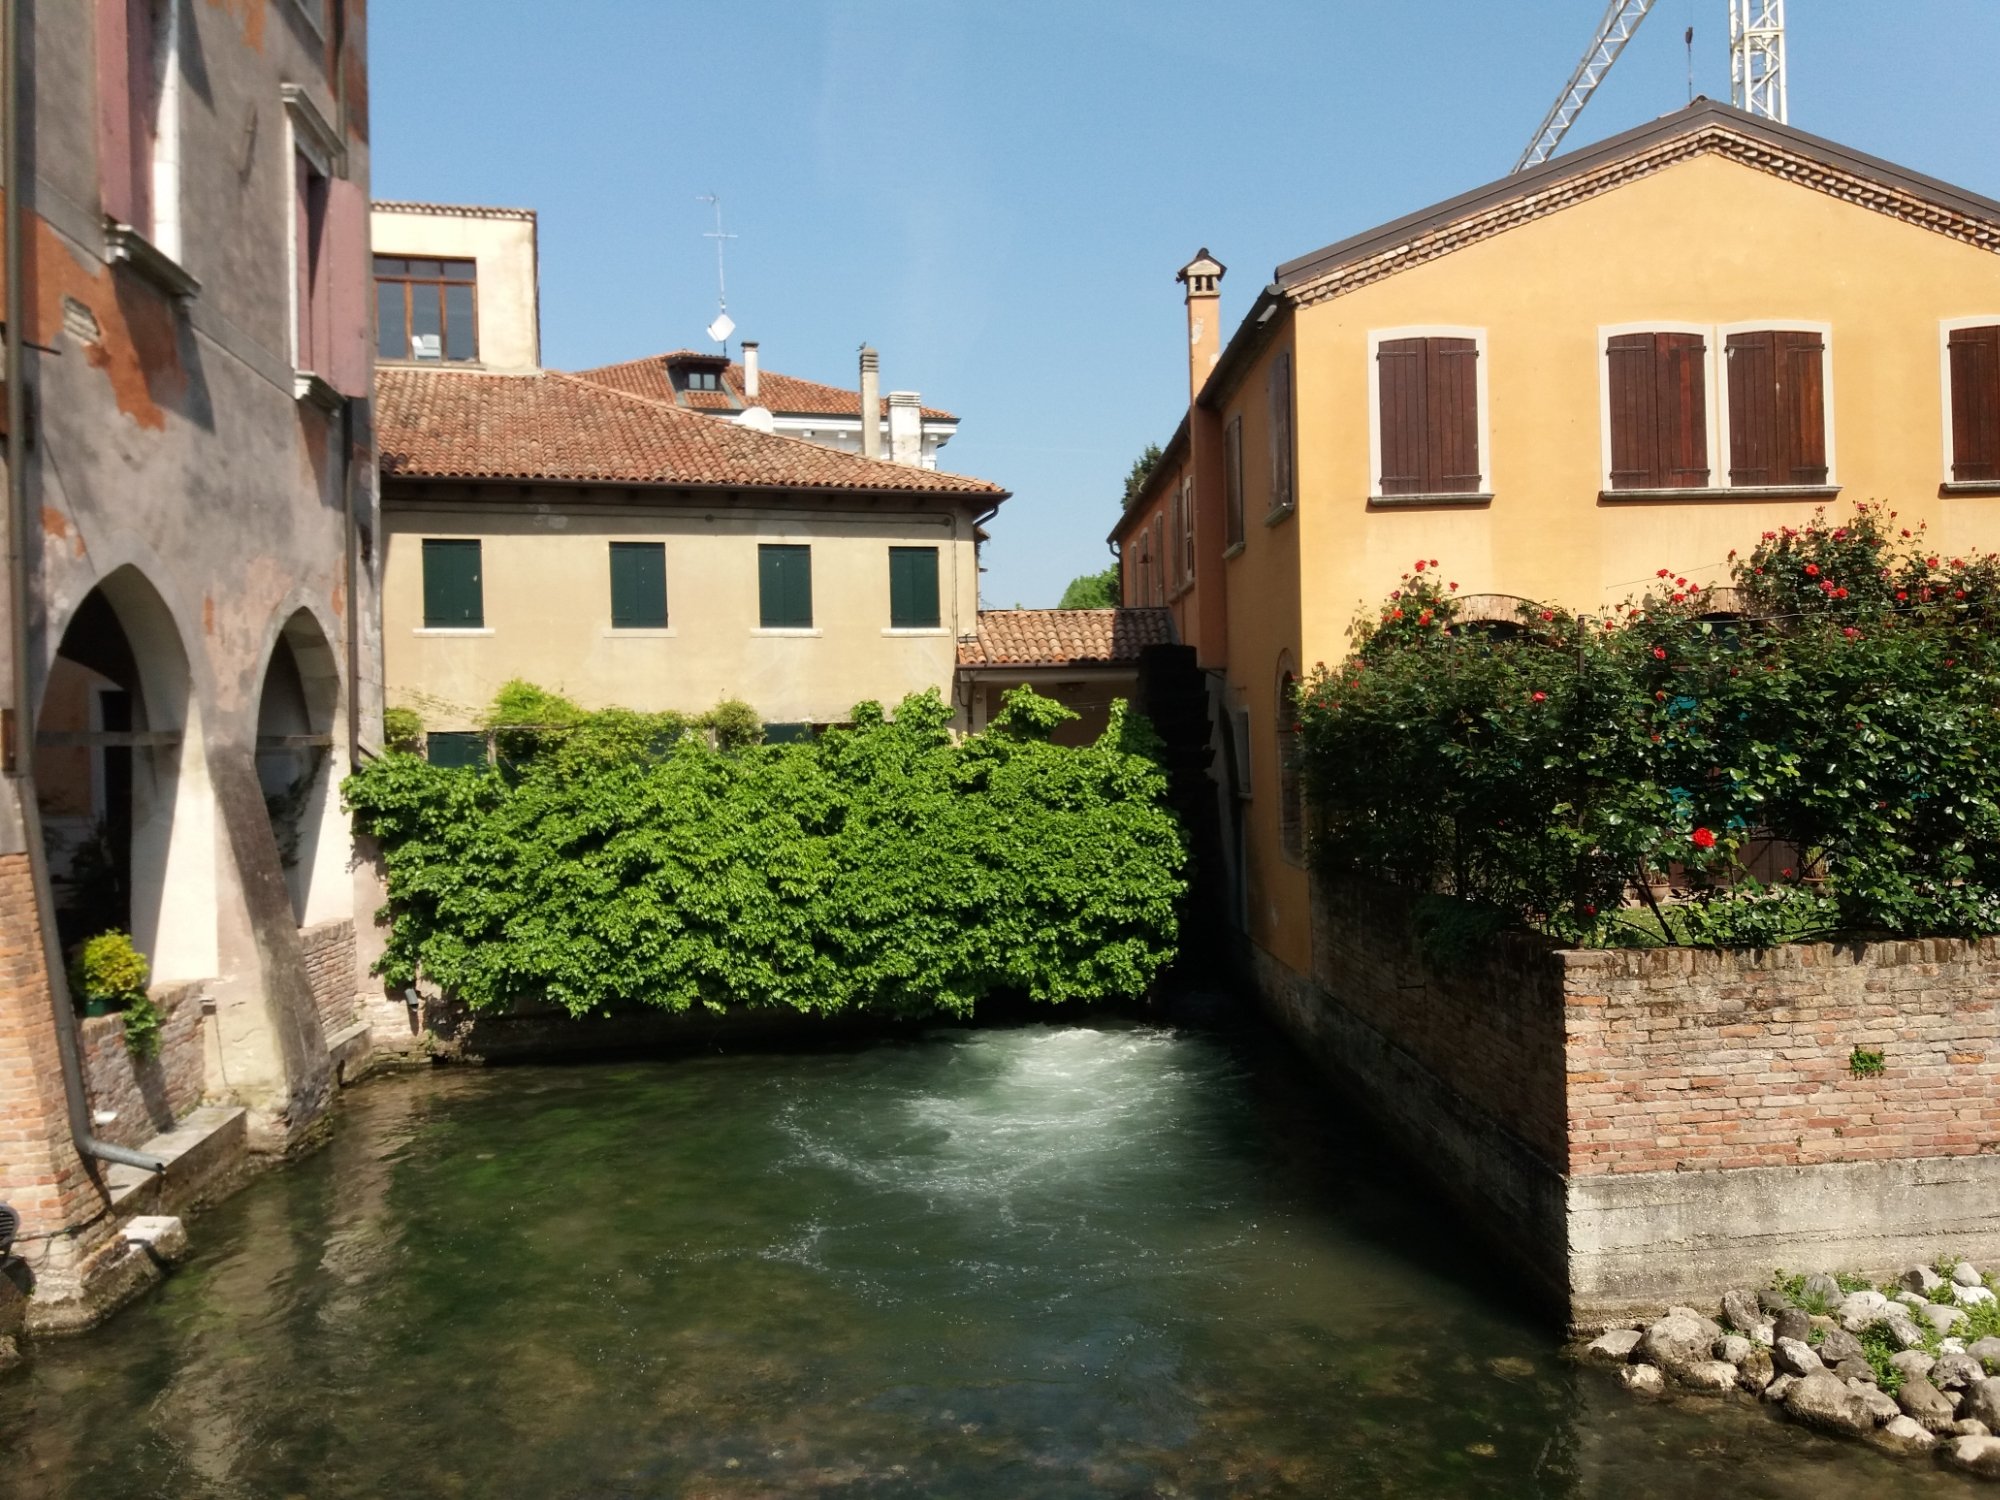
723,325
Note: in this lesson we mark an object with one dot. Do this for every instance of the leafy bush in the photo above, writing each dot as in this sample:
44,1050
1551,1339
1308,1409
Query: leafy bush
1092,591
402,730
1546,765
109,971
882,865
734,724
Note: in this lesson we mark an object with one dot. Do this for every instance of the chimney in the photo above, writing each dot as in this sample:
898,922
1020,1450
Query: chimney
750,371
906,429
1203,278
871,403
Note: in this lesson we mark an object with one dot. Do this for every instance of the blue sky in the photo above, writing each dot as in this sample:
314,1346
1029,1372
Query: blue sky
996,193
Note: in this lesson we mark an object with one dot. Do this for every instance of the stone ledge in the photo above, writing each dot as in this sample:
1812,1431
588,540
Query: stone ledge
204,1150
120,1274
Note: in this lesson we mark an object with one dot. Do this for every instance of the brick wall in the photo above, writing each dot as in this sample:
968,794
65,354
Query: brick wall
1682,1059
329,954
147,1097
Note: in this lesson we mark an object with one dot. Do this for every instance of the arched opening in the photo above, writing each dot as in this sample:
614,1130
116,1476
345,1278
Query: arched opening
296,711
126,819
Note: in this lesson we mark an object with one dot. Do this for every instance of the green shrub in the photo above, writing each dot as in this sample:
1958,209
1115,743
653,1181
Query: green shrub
402,730
734,724
883,865
1543,767
110,972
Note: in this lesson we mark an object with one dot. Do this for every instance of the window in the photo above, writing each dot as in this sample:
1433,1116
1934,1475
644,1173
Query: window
1142,591
426,309
1186,543
784,587
1159,560
790,734
1657,385
913,588
1278,397
1428,432
313,343
455,748
638,585
1291,796
452,595
1777,407
1232,481
1173,556
701,380
1973,357
138,76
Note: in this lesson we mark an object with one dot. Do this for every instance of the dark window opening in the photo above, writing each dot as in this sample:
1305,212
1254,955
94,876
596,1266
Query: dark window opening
913,588
453,595
426,310
638,585
784,587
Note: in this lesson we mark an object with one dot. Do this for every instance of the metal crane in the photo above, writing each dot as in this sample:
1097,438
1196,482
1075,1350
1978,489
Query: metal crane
1756,66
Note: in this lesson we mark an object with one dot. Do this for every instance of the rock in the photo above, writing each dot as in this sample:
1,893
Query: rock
1773,1301
1765,1334
1825,1402
1966,1427
1792,1323
1822,1286
1951,1346
1920,1279
1965,1274
1942,1318
1644,1380
1955,1372
1971,1296
1683,1337
1859,1310
1909,1298
1912,1362
1975,1455
1926,1403
1881,1405
1708,1375
1733,1347
1987,1352
1839,1344
1741,1311
1982,1403
1795,1358
1780,1387
1613,1348
1904,1332
1902,1435
1858,1370
163,1235
1755,1373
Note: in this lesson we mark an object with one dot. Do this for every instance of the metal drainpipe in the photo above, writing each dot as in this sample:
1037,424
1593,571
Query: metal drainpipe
17,598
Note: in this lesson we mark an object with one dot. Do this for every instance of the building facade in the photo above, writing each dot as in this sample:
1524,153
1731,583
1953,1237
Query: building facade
192,664
457,285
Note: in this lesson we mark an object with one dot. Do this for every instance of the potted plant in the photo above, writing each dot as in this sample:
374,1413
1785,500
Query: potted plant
108,974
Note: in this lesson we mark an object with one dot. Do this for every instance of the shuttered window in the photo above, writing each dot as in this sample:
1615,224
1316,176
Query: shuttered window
1429,397
913,588
1658,385
455,748
452,595
1159,560
638,585
1174,504
1232,482
1777,407
1278,399
1185,542
1975,404
784,587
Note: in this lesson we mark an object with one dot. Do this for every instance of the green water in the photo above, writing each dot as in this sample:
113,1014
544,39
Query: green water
1099,1261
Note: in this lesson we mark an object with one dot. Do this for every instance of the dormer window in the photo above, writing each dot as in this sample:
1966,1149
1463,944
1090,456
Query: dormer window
701,380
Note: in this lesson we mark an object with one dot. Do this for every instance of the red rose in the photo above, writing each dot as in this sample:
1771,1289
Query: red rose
1812,570
1659,653
1541,697
1703,839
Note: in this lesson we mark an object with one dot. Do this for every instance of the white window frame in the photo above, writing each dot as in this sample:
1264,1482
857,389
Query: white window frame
1712,384
1376,338
1828,405
1946,327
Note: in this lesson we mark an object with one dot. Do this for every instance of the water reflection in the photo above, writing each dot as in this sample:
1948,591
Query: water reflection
1102,1260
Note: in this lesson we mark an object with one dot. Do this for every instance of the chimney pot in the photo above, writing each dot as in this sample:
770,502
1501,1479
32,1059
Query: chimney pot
1202,277
871,403
750,370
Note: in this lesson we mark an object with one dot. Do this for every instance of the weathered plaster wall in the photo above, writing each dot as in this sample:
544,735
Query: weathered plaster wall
145,1098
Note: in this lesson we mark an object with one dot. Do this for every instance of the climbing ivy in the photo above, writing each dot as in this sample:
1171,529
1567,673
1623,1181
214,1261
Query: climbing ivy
883,865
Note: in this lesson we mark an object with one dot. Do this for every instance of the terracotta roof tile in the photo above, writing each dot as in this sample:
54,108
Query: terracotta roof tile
1064,637
783,395
457,424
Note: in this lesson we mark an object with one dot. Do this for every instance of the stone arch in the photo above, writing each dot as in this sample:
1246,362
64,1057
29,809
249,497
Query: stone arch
128,814
298,706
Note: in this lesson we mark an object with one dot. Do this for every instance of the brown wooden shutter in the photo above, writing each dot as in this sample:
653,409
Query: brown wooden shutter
1801,408
1753,383
1453,381
1975,403
1680,368
1401,386
1634,391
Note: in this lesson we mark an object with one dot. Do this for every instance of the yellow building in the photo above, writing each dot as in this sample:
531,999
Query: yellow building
625,551
1639,355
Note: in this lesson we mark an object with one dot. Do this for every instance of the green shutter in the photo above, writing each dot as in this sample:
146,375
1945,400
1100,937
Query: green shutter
913,588
455,748
452,597
784,587
638,585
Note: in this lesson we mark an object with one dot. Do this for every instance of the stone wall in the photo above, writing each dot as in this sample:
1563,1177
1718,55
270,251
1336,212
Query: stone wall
1634,1128
151,1096
329,954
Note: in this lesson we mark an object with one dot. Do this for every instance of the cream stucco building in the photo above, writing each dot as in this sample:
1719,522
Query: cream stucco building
456,285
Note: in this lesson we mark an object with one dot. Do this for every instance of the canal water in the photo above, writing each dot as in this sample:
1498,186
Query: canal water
1100,1260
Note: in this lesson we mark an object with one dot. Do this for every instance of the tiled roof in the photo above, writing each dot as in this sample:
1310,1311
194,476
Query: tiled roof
457,424
1064,637
783,395
457,210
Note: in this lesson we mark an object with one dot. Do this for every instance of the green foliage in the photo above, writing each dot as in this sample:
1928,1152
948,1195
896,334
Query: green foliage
1141,470
734,724
143,1021
402,730
1546,766
1092,591
882,865
108,971
1452,934
1864,1064
1982,1320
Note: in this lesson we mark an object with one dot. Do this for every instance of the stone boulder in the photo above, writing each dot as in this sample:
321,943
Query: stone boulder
1965,1274
1982,1403
1792,1323
1861,1310
1780,1387
1940,1317
1881,1405
1683,1337
1971,1296
1824,1401
1645,1380
1712,1375
1613,1348
1755,1373
1920,1279
1903,1331
1773,1301
1975,1455
1987,1352
1733,1347
1822,1286
1794,1357
1956,1372
1855,1370
1966,1427
1838,1344
1925,1403
1741,1311
1912,1362
1903,1435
